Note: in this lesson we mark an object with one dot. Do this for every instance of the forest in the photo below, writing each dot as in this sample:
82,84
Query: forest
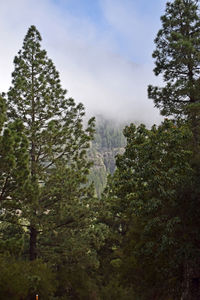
95,210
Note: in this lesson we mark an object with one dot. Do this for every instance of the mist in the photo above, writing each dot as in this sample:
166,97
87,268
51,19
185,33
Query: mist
106,74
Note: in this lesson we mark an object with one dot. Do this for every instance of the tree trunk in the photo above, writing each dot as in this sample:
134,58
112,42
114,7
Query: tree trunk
33,231
191,284
33,243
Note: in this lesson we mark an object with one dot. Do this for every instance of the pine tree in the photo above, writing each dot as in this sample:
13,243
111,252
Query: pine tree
14,169
2,112
152,211
57,140
177,57
14,178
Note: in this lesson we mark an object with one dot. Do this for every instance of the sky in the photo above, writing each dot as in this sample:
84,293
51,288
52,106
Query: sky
101,48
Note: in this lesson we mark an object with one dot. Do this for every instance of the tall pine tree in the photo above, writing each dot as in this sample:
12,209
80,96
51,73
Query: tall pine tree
58,143
177,58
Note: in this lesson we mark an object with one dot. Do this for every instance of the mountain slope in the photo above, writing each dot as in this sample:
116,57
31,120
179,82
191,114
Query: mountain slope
109,141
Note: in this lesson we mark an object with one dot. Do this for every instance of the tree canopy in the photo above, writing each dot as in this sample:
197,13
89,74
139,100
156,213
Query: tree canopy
48,209
140,239
177,58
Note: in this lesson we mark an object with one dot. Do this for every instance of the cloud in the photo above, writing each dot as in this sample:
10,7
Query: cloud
92,65
134,25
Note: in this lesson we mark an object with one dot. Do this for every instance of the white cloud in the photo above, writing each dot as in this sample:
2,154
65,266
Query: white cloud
90,65
136,29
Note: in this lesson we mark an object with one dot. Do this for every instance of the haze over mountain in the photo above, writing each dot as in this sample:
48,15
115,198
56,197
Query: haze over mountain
101,48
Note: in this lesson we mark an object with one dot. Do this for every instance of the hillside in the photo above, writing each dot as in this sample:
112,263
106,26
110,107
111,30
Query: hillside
109,141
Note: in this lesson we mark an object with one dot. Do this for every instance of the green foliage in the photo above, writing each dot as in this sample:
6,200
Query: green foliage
22,279
14,178
114,290
12,238
2,112
109,134
152,209
177,57
48,208
140,240
58,194
14,159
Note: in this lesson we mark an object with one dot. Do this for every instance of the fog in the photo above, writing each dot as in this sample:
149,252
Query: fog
107,74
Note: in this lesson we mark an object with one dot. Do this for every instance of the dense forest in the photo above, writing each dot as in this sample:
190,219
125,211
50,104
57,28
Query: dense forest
102,211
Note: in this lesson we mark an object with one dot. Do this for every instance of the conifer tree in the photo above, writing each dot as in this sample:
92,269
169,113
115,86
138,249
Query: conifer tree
153,196
57,140
177,58
13,157
2,112
153,199
14,177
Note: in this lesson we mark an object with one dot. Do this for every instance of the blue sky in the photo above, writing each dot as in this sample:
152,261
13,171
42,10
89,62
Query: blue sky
96,12
102,49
